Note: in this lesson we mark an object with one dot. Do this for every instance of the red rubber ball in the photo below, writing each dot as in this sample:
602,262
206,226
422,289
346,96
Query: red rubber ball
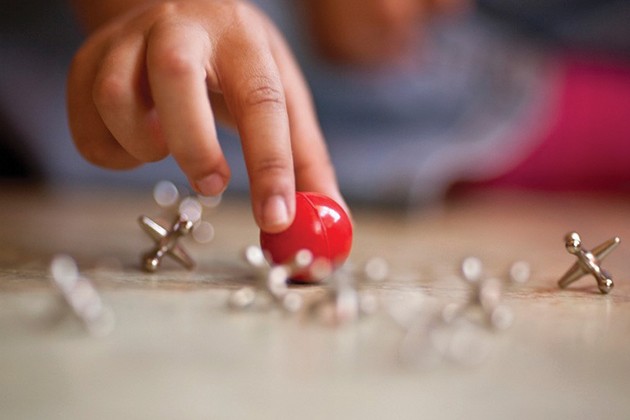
321,226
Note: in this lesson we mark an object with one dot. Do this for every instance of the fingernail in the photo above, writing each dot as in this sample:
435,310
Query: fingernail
213,184
275,211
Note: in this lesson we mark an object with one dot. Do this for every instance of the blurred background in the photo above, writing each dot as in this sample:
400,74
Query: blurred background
413,97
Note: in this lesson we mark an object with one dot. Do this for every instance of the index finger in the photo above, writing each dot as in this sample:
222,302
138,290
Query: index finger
254,93
314,170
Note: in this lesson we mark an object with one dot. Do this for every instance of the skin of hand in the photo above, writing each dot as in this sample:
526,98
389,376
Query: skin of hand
371,32
153,77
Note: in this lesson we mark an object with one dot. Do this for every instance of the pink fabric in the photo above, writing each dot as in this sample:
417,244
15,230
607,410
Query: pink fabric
588,146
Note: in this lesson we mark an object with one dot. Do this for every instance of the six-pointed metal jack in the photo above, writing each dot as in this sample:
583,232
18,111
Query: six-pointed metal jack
166,242
271,281
589,262
345,300
486,293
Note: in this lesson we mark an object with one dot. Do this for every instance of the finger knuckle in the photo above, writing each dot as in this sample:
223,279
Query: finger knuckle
169,54
175,62
271,167
109,91
263,92
165,10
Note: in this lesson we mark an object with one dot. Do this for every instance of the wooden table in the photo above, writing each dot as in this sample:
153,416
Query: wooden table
177,351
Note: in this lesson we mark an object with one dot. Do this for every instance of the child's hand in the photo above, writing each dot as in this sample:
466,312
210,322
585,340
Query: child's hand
151,82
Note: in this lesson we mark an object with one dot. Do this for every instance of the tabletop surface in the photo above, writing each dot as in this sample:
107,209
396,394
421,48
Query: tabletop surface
178,351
